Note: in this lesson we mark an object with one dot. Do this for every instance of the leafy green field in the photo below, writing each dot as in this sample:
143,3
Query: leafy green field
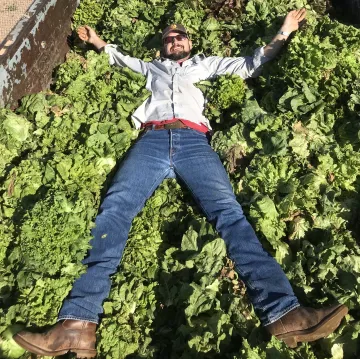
290,141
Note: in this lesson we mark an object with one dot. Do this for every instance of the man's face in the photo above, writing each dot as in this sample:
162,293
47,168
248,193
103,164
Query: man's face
176,46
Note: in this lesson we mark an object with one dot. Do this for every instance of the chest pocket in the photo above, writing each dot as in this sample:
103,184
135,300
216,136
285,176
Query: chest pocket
159,81
194,73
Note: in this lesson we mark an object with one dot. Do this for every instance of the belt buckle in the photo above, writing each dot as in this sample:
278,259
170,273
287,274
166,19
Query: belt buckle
175,125
169,126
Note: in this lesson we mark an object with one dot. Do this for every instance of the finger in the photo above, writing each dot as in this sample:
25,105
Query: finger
301,19
88,27
300,13
297,14
82,32
82,36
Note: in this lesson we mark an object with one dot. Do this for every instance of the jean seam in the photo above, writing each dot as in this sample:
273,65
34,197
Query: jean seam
279,316
71,317
249,283
190,189
152,189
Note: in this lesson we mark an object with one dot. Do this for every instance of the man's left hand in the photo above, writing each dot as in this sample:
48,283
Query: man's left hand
293,20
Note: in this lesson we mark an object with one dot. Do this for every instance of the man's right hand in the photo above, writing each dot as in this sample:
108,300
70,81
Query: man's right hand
86,33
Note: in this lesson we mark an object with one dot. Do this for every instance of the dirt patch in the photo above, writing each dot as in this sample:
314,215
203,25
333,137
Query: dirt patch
11,11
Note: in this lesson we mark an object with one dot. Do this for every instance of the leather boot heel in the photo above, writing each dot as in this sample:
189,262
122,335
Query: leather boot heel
84,354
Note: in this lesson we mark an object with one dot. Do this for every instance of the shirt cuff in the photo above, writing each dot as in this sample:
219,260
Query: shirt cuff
111,49
259,58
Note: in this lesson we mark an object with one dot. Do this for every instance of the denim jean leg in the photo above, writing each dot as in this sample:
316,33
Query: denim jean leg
202,171
143,169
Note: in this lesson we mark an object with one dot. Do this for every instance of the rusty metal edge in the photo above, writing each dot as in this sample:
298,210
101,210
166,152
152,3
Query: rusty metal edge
13,40
16,44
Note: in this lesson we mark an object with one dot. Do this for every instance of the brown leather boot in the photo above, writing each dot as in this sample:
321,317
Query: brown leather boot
307,324
76,336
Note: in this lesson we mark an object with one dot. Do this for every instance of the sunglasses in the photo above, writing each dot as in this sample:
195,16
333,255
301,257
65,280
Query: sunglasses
170,39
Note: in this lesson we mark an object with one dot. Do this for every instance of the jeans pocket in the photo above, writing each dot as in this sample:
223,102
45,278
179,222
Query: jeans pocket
143,133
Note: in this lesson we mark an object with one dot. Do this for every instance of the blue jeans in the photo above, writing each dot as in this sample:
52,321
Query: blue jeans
183,153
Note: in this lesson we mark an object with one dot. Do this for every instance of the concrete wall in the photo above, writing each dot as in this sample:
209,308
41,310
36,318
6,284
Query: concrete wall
33,48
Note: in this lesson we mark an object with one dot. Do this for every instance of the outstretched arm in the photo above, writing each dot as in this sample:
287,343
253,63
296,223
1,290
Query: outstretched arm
86,33
292,22
250,66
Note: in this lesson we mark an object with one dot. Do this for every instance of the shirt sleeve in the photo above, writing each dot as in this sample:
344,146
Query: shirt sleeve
118,59
245,67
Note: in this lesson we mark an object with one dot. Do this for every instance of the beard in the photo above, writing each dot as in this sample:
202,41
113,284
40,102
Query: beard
177,55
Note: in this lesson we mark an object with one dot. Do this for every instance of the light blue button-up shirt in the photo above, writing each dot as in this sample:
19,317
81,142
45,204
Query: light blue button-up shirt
173,93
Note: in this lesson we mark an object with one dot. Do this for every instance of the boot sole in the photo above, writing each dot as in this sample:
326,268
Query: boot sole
321,330
80,353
